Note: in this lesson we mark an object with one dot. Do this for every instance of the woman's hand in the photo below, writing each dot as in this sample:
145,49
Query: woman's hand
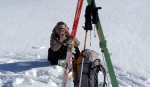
67,31
62,37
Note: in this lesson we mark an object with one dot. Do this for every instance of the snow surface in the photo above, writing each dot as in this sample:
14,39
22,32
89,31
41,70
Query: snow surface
26,25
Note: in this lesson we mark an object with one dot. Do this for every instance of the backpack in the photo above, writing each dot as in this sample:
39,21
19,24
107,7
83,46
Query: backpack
86,68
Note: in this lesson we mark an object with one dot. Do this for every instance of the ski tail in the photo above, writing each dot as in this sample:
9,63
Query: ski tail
77,17
71,43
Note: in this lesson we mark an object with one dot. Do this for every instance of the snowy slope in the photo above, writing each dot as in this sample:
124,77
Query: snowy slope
26,25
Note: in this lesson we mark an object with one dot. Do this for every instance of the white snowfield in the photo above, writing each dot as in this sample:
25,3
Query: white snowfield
26,26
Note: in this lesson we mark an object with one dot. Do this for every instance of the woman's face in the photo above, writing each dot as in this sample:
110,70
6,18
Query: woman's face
63,27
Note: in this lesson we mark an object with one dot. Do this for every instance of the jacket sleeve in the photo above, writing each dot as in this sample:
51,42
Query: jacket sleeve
55,43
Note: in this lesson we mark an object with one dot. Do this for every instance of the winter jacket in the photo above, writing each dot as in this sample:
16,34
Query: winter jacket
56,44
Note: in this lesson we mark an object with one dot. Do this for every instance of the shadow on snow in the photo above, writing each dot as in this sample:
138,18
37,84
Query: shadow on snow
23,66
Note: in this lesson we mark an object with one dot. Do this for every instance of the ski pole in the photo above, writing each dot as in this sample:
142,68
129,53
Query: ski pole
81,72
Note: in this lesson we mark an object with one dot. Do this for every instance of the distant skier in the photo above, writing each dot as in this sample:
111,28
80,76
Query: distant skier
58,44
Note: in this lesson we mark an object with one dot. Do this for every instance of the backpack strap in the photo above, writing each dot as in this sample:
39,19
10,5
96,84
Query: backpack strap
101,68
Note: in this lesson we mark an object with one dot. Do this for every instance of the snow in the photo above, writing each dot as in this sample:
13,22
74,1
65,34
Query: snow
26,25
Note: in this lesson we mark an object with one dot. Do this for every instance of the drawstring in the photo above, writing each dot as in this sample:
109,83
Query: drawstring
90,38
94,31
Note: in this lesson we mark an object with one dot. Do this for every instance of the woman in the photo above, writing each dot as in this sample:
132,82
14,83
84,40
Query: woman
58,43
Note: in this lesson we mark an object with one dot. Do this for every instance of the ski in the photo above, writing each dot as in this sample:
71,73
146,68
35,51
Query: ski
104,49
71,42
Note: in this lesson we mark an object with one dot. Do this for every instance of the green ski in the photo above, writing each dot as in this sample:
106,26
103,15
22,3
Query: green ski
102,43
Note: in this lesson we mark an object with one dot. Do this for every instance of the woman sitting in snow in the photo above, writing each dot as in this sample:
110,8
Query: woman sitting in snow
58,43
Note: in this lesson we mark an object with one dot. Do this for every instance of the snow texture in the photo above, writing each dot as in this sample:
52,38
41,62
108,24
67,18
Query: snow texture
26,26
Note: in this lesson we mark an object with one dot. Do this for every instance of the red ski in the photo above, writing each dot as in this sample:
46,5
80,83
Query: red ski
71,42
